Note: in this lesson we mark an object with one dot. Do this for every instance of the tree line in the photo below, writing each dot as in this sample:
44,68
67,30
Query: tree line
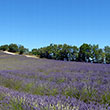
14,48
85,53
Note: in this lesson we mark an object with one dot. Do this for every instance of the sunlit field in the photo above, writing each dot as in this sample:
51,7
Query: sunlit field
41,84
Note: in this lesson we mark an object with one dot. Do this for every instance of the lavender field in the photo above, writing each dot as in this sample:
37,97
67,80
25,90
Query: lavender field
41,84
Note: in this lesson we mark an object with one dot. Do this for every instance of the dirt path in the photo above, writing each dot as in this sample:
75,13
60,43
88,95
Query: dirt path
29,56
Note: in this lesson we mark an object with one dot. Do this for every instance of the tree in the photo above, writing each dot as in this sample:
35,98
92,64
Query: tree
95,53
100,56
74,53
54,51
63,52
49,51
21,49
13,48
4,47
107,53
35,51
42,52
84,52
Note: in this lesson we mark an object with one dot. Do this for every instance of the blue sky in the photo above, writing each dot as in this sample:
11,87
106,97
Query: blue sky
37,23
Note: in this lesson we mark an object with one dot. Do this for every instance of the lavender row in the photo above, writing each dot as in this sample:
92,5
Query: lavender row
87,87
12,99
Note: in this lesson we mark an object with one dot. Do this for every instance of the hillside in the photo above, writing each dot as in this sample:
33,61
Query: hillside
42,84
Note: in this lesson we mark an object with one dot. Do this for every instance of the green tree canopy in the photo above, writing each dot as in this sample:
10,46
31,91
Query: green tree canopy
4,47
13,48
84,52
107,53
21,49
